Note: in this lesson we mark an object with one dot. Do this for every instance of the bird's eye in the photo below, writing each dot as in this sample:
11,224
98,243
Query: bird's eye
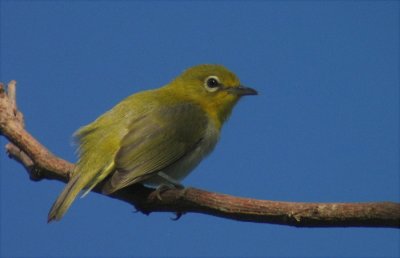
212,83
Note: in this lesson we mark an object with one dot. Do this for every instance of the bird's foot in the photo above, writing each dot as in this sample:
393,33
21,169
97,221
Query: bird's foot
165,187
178,215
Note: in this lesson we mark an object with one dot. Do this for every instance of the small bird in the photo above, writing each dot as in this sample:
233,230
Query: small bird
155,137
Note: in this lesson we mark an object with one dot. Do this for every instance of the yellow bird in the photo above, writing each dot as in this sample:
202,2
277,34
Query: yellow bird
154,137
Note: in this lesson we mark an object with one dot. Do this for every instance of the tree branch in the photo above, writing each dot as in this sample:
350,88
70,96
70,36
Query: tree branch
42,164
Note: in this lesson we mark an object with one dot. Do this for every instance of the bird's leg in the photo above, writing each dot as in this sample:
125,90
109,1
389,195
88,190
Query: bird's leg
170,181
170,184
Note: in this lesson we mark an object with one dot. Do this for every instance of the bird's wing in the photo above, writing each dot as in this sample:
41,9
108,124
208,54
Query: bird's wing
155,141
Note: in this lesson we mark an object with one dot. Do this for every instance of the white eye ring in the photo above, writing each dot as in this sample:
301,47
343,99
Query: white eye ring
211,83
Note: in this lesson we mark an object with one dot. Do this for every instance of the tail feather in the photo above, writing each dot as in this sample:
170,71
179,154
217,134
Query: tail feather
65,199
100,176
80,181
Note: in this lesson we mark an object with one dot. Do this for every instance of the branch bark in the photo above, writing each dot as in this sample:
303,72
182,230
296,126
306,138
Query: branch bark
42,164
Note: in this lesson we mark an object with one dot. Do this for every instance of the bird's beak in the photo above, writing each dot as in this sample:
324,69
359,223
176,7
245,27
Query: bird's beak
242,90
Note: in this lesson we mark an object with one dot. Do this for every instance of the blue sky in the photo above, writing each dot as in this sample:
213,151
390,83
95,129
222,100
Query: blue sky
323,129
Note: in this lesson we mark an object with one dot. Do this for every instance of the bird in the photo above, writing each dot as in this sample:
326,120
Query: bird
154,137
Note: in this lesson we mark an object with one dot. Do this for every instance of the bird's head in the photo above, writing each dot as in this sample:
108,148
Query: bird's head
213,87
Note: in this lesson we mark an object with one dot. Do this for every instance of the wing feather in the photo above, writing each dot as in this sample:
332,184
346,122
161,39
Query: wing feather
156,141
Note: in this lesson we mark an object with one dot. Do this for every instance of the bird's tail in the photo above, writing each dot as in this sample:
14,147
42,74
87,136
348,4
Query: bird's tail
66,198
81,180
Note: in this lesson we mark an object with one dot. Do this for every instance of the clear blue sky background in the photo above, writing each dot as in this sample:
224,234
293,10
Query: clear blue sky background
323,129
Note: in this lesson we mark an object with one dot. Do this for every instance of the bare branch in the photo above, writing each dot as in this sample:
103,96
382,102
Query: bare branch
12,127
41,163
